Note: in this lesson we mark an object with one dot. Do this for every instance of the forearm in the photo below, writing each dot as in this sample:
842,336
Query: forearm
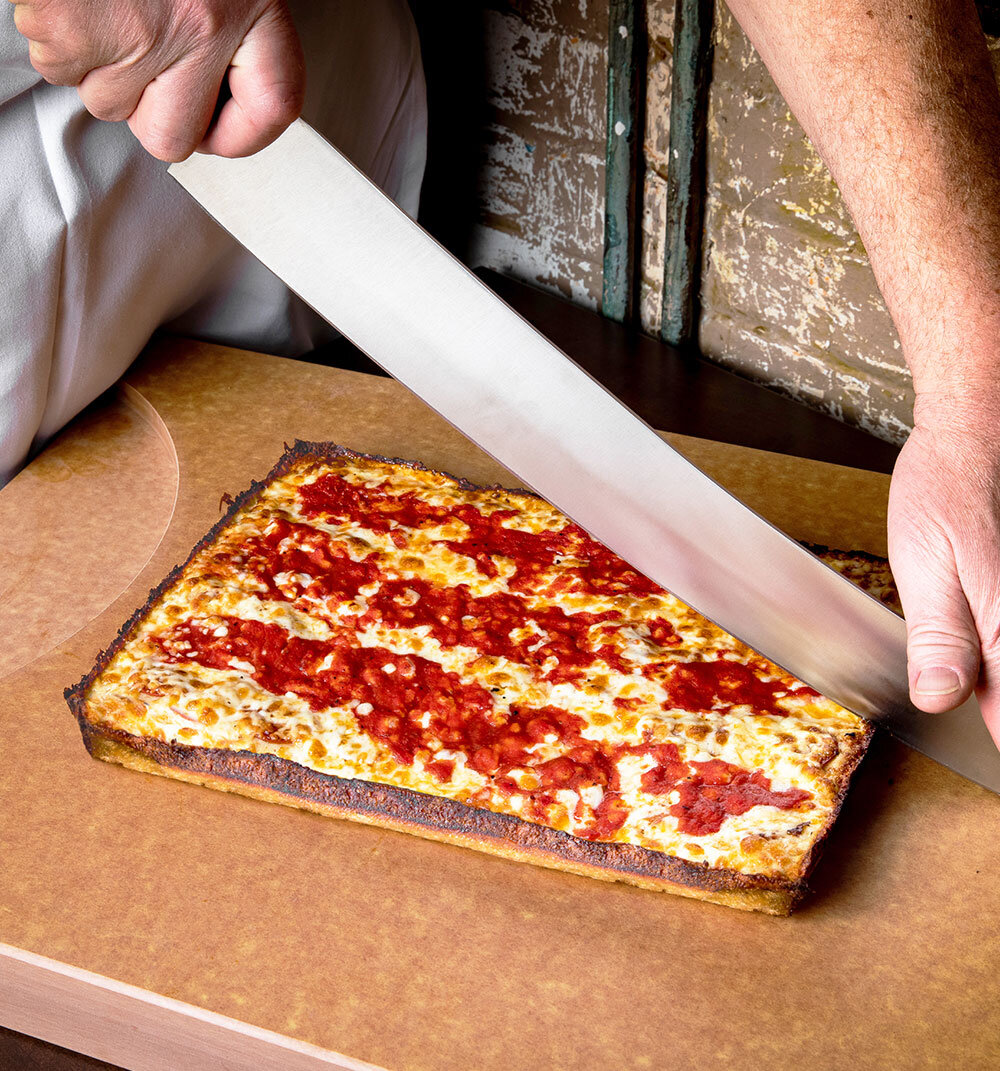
900,100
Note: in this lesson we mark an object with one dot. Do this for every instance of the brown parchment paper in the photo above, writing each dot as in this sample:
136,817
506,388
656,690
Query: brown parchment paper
414,955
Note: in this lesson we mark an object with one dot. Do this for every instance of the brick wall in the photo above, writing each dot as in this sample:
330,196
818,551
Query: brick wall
660,31
787,292
541,184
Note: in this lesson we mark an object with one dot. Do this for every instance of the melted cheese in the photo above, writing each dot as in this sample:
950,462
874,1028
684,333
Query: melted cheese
621,695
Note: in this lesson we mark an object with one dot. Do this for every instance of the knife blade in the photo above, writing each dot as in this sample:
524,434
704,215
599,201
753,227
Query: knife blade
339,243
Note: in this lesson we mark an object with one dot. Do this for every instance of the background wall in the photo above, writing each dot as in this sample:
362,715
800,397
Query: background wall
517,95
787,293
517,184
659,65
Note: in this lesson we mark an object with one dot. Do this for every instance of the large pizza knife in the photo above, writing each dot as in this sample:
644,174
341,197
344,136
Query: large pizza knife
308,214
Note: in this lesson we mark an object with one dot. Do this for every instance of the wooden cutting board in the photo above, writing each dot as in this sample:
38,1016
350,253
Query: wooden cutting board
155,924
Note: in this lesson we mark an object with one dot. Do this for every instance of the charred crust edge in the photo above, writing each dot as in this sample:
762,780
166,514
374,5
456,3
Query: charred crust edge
434,815
858,751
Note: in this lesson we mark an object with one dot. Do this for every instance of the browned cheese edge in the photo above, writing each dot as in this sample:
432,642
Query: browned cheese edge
276,780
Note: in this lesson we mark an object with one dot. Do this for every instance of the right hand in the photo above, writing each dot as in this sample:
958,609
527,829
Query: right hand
944,545
159,65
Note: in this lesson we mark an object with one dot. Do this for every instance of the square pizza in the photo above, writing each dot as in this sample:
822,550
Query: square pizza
368,639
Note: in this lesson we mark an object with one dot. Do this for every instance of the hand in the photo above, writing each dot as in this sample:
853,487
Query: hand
944,545
159,64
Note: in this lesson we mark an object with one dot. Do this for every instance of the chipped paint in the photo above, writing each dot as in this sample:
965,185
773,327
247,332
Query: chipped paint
660,30
788,296
541,189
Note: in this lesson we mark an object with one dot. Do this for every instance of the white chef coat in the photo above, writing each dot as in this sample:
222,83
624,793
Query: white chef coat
99,246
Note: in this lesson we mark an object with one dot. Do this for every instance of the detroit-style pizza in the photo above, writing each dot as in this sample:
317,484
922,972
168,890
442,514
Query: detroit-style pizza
372,640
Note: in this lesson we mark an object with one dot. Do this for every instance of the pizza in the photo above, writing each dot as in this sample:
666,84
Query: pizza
371,640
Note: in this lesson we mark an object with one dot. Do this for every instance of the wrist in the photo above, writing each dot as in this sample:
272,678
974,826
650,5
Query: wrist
952,348
955,363
965,403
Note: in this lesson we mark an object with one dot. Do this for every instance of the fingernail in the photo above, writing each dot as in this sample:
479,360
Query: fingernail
938,680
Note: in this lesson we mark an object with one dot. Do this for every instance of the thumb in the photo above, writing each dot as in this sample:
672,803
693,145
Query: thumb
942,642
267,80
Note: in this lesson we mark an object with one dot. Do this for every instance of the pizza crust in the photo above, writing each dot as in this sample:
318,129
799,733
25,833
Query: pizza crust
387,807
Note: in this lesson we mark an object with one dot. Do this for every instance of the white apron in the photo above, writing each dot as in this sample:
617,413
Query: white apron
99,247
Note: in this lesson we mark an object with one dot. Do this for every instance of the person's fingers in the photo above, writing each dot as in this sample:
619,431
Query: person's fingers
943,644
988,691
56,65
26,19
161,69
113,93
38,22
989,699
267,81
176,108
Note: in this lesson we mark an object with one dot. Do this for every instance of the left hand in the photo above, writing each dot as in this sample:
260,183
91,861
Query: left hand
944,546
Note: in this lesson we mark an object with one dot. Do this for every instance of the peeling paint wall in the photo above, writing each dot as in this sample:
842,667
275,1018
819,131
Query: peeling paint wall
788,296
541,187
659,64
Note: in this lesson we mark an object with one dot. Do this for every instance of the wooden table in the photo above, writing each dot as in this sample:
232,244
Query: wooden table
433,956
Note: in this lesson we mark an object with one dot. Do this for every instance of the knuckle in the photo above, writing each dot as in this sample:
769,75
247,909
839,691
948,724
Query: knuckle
937,633
198,23
26,22
59,62
51,69
109,110
278,106
39,21
931,645
929,649
274,111
109,96
135,66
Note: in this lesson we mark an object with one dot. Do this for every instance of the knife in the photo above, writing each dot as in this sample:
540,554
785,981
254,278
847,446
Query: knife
339,243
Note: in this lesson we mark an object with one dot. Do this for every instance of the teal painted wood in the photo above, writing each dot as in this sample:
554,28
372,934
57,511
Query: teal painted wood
685,168
626,67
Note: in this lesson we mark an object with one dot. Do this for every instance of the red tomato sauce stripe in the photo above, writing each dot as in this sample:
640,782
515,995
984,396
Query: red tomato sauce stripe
454,616
534,555
393,695
596,570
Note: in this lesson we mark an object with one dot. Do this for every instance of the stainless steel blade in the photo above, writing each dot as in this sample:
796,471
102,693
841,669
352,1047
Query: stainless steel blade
347,250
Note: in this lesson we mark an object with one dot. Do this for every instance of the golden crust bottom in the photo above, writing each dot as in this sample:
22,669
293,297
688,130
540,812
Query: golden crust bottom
276,780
